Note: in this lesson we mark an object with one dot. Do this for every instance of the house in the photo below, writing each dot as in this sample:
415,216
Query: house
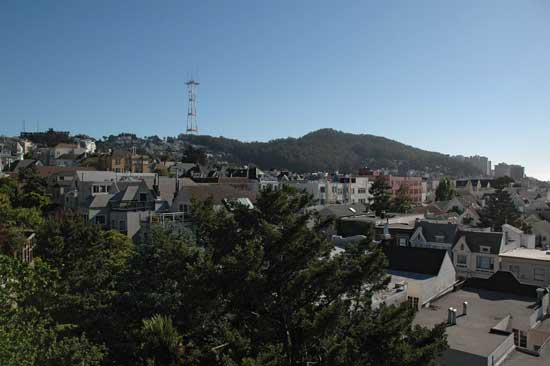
541,230
122,161
529,266
26,163
485,327
64,149
220,194
476,253
434,235
427,273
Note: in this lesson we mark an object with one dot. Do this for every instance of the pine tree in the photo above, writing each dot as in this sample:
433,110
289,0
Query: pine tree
381,199
445,190
402,202
499,210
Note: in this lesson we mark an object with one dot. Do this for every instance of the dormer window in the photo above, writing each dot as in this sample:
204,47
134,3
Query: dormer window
461,246
484,249
439,238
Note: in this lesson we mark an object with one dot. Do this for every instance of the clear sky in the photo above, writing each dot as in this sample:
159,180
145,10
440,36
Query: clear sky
460,77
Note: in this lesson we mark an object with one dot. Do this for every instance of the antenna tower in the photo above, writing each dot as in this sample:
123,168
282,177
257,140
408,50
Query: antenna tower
192,126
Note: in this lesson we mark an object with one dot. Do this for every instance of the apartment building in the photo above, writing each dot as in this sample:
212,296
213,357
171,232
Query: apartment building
122,161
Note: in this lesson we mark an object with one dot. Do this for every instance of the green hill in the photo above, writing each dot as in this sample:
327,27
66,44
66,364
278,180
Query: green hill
327,150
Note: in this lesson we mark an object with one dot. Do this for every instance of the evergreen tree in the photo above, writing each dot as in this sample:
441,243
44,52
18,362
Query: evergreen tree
445,190
499,210
402,202
381,198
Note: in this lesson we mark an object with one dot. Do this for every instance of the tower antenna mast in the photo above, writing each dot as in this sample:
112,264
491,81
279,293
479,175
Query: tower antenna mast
192,126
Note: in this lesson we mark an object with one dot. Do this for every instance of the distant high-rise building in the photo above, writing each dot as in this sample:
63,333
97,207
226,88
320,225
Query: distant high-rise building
502,170
517,172
481,162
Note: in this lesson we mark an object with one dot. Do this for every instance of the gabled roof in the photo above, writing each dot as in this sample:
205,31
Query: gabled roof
415,260
475,239
430,230
65,145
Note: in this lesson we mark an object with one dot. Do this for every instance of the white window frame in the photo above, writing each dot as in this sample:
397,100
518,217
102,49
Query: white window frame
459,263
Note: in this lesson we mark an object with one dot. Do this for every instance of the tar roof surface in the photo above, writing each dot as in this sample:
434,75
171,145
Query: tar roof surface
517,358
485,309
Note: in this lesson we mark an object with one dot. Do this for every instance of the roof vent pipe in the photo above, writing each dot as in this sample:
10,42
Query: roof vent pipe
450,316
465,308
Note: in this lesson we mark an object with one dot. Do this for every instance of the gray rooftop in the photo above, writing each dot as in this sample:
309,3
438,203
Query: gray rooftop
517,358
472,334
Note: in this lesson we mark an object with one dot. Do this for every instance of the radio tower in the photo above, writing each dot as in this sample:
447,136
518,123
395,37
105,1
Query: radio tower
192,126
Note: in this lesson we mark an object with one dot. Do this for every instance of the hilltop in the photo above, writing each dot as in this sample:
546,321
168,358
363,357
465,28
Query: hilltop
328,150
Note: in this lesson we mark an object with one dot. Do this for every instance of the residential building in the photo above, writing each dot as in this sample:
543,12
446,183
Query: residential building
529,266
476,253
541,230
485,326
416,187
434,235
336,189
427,273
122,161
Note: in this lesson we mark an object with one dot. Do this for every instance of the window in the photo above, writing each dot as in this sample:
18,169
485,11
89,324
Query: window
484,263
143,197
322,189
185,209
122,225
413,302
539,274
117,161
334,189
100,220
461,246
99,188
361,200
514,270
439,238
181,207
522,339
361,190
402,242
516,336
485,249
461,260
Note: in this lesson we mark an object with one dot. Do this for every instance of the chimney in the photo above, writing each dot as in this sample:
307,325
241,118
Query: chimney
450,316
540,294
465,308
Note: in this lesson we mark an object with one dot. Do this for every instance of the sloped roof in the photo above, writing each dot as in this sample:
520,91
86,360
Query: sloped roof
101,200
25,163
475,239
47,170
430,230
130,193
415,260
218,192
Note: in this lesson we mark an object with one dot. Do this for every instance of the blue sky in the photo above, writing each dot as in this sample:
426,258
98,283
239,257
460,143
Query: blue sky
459,77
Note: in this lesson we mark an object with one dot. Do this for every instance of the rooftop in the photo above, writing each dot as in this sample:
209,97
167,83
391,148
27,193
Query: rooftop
471,333
524,253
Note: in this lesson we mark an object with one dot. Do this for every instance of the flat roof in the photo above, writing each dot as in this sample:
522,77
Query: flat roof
524,253
517,358
471,334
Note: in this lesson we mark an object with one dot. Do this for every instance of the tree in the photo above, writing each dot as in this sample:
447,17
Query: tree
402,202
381,199
445,190
28,334
162,345
502,182
89,262
499,210
281,297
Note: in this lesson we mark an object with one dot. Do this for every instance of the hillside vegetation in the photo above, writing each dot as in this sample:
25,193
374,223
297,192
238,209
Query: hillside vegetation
328,150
